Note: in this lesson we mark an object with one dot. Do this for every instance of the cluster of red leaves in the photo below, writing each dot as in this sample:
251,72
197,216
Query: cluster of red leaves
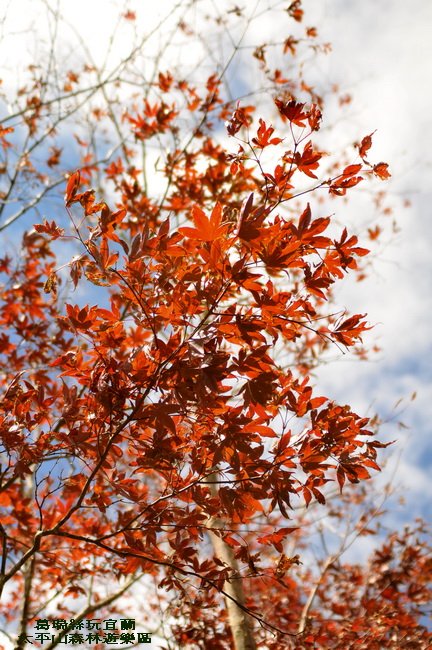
186,397
372,606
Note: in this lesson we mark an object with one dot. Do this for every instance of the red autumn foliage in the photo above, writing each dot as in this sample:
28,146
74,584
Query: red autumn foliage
161,422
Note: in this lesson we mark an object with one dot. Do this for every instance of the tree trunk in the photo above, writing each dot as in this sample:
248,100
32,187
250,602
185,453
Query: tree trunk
239,621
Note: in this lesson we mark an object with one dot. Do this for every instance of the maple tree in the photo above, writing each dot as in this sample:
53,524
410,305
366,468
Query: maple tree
158,418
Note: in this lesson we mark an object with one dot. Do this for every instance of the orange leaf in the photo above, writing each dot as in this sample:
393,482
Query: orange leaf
72,187
381,170
365,145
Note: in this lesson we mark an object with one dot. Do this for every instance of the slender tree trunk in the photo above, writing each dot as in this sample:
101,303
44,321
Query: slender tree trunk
28,570
240,623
